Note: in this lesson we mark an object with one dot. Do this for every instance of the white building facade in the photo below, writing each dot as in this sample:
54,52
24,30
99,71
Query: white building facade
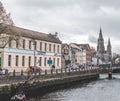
77,54
35,49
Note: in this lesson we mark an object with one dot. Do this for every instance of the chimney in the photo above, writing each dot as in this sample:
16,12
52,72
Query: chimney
56,34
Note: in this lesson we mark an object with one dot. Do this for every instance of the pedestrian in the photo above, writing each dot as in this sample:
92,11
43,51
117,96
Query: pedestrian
53,66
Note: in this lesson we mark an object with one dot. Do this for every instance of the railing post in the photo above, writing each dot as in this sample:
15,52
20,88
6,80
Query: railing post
45,72
28,74
14,72
21,72
56,71
51,71
65,70
69,70
61,70
39,72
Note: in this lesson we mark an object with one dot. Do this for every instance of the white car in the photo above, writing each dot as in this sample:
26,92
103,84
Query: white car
3,71
74,67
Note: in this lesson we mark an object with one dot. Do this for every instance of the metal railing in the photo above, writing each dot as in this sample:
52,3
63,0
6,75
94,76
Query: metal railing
45,74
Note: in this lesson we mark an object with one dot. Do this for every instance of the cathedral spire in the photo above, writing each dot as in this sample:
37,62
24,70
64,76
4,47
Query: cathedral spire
109,43
100,46
109,51
100,34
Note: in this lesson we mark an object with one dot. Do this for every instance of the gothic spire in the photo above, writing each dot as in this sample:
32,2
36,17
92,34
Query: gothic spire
100,46
100,34
109,51
109,44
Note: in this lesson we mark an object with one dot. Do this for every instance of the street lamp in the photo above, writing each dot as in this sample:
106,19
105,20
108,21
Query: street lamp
97,61
34,43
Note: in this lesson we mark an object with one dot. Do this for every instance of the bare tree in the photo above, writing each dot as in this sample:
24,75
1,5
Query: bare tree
4,17
7,34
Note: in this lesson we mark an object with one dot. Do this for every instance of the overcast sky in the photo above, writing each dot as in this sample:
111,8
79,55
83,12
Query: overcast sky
76,21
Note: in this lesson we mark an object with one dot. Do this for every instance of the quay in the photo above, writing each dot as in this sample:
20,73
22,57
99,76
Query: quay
42,84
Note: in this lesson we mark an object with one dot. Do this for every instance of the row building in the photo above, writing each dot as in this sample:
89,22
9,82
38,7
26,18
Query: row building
33,49
76,54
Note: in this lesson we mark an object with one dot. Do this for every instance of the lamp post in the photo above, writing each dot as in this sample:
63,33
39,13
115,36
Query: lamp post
34,43
97,61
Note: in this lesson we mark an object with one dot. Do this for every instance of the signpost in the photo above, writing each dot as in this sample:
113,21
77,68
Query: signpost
49,62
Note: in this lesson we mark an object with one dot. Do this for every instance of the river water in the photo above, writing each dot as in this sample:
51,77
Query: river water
100,90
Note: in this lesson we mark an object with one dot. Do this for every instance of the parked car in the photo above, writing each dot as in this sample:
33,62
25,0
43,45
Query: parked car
3,71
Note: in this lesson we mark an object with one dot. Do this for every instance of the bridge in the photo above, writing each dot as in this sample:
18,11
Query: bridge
109,68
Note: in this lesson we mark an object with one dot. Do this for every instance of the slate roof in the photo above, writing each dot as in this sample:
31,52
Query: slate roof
83,46
32,34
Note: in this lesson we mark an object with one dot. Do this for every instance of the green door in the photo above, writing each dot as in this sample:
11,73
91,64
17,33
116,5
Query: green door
0,60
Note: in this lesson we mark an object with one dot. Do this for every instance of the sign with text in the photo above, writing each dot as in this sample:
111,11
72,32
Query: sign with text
49,62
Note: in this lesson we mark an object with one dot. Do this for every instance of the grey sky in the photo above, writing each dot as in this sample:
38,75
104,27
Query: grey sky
75,20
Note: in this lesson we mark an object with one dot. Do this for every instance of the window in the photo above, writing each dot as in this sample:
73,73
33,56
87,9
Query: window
9,44
29,44
29,61
9,60
40,45
23,43
17,44
16,60
40,59
58,49
49,59
49,47
65,51
35,45
35,61
54,48
44,61
54,61
57,61
23,60
45,46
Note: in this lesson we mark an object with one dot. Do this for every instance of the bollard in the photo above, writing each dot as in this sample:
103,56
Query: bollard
110,75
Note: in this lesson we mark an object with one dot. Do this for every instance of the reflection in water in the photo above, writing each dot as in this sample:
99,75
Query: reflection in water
101,90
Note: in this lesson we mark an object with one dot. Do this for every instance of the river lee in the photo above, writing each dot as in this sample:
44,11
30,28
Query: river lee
100,90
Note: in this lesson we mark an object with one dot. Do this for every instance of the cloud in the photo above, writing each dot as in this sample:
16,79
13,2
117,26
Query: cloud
92,39
75,20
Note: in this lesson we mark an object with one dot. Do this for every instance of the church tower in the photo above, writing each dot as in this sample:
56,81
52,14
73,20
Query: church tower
100,46
109,51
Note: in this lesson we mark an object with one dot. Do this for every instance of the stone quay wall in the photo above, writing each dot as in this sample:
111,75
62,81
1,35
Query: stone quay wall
42,84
